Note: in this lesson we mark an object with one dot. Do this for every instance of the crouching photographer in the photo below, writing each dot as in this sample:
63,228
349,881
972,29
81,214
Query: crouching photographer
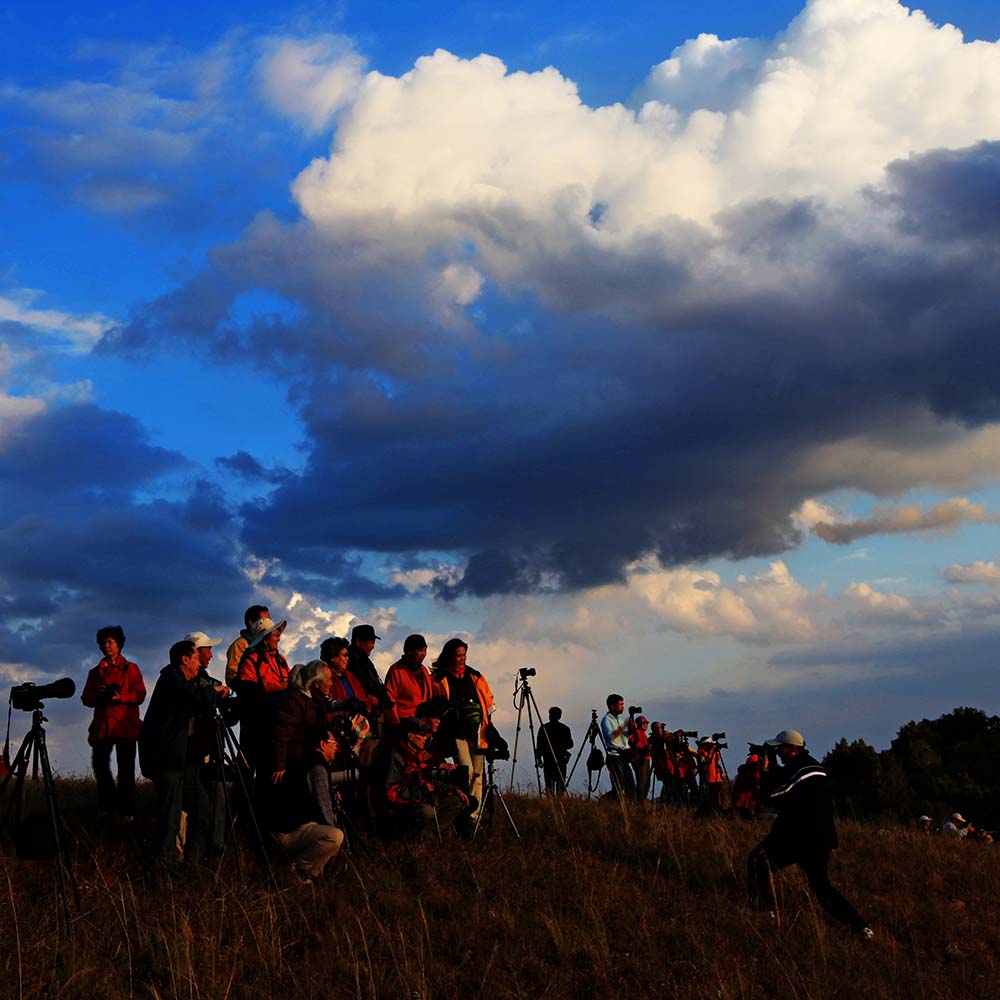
417,794
803,833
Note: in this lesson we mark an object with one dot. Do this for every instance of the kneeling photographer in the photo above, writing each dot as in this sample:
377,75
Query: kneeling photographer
419,795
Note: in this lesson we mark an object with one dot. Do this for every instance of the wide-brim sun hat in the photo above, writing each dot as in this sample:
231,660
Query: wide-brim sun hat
263,627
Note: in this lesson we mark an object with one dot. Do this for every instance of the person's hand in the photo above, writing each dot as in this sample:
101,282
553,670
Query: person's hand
277,777
221,690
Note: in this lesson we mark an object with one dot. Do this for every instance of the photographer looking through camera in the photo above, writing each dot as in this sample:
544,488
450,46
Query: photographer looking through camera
615,732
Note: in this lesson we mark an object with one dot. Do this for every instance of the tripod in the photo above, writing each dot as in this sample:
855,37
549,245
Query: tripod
523,696
491,794
33,747
593,731
229,759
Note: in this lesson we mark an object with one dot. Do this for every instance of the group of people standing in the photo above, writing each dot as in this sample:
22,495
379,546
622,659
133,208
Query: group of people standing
322,744
635,753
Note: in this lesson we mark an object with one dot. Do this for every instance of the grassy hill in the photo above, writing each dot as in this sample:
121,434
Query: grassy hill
591,902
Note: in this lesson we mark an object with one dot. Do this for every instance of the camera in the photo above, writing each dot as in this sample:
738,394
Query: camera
27,697
721,745
497,747
758,748
718,736
635,710
527,672
691,734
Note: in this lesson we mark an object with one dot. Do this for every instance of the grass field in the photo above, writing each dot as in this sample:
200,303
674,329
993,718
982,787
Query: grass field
593,901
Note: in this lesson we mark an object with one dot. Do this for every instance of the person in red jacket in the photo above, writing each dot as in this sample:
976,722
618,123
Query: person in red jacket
114,690
408,681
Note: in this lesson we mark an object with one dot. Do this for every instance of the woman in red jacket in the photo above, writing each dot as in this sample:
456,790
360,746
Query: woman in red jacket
114,690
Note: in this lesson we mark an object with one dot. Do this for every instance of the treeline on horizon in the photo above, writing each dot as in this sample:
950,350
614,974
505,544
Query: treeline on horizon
934,767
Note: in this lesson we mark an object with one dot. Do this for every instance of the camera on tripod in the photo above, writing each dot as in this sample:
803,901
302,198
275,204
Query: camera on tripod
28,696
717,739
527,672
635,710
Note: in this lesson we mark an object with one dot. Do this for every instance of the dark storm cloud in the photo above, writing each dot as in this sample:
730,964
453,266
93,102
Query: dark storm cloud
653,402
244,465
80,549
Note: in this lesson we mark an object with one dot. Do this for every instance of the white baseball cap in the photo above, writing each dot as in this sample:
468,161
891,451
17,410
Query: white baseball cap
201,640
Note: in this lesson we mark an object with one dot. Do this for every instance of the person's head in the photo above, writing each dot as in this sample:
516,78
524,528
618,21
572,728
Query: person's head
364,638
313,676
414,650
657,728
641,722
111,640
334,653
319,739
204,645
430,712
555,713
452,658
266,634
254,614
184,654
616,704
788,744
413,733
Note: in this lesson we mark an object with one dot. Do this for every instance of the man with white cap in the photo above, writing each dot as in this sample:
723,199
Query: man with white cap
261,676
803,832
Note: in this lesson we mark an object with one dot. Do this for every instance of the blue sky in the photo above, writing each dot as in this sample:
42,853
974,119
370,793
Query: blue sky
652,347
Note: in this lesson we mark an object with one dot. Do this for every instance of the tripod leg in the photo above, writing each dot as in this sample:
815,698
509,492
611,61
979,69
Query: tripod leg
234,750
517,737
487,800
62,862
532,710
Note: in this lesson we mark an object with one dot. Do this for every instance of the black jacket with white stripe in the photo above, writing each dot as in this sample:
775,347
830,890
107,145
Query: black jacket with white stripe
800,794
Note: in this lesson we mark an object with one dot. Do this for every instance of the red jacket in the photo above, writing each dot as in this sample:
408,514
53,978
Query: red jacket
114,720
269,670
407,690
339,693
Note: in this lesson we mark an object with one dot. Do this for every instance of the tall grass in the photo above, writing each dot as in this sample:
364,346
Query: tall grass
592,901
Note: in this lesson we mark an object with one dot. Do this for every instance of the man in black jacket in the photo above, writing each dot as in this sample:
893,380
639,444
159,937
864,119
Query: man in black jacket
803,832
171,759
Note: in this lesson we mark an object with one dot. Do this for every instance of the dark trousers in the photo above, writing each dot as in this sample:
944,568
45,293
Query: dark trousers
642,773
622,781
181,790
767,858
555,776
120,799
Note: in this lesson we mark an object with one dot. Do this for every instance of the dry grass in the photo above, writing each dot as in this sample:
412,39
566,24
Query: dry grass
592,902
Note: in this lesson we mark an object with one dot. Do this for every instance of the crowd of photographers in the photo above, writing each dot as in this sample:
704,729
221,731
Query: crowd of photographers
328,750
325,746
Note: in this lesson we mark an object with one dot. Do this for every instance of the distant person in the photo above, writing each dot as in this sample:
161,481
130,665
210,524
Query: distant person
746,787
925,824
114,690
408,681
639,757
956,826
239,645
301,707
710,775
554,744
261,676
414,799
614,733
168,757
803,833
359,662
301,816
204,742
471,700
